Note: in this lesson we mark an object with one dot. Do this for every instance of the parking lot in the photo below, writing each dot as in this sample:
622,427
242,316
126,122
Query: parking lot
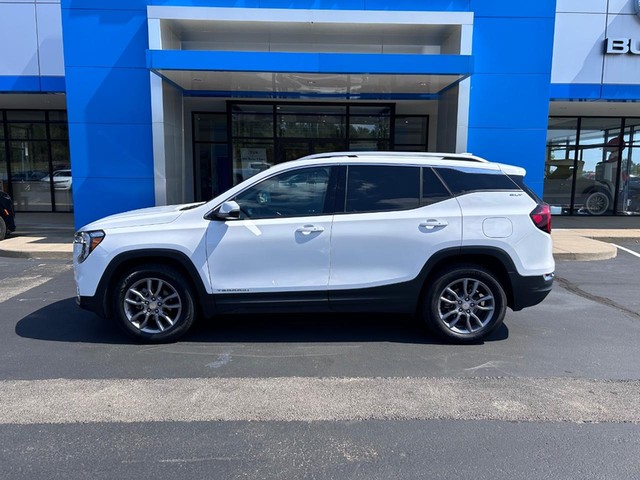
417,404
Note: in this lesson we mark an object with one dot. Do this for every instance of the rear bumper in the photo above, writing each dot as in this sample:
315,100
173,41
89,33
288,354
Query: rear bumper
529,291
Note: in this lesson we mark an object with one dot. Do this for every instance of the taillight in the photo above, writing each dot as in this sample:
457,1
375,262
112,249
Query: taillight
541,217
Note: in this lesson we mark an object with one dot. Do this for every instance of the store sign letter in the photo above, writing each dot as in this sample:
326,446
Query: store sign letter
622,45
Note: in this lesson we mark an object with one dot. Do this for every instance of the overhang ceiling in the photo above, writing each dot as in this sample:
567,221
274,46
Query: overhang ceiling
306,83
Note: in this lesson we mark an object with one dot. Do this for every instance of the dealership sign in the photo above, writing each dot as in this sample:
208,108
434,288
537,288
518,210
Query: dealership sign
621,46
617,46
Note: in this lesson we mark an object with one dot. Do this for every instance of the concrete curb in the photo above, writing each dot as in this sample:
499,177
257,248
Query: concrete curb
574,245
27,247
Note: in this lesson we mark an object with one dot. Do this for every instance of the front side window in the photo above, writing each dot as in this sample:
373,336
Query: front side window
298,193
378,188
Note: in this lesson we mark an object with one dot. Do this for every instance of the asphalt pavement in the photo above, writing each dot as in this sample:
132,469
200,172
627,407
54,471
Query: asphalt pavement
551,394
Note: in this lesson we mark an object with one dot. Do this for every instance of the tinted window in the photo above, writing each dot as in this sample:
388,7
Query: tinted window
520,182
464,180
297,193
373,188
433,190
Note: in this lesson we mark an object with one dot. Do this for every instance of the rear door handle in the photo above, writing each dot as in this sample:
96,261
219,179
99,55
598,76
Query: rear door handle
308,229
433,223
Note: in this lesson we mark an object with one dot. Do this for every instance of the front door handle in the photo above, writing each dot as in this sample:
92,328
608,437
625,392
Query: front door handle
309,229
433,223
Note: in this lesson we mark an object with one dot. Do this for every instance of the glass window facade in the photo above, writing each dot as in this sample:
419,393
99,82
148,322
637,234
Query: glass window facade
592,166
250,137
35,166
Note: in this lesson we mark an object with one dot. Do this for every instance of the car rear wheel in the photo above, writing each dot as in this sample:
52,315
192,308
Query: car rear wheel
464,304
154,304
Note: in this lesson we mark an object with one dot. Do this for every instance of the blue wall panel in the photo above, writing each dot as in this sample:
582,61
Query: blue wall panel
526,148
123,150
106,4
118,47
109,107
514,8
426,5
104,196
509,101
510,45
207,3
309,62
31,83
104,95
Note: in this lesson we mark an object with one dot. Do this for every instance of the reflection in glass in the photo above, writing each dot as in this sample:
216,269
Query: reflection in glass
29,176
311,126
380,188
411,130
212,166
210,127
250,157
290,194
560,163
4,177
369,127
252,125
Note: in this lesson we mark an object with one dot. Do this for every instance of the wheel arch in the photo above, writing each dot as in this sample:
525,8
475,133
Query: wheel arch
493,259
171,258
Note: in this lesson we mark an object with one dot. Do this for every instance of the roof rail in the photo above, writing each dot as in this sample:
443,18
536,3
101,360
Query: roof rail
445,156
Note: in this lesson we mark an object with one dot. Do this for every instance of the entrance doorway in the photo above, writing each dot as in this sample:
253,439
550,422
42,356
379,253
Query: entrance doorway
259,135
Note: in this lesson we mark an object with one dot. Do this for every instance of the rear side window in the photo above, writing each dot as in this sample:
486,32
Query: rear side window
520,182
433,191
378,188
466,180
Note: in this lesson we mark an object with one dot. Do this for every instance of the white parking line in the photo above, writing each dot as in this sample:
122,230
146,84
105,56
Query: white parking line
635,254
13,287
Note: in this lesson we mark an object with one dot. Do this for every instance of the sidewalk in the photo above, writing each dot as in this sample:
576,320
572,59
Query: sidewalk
50,236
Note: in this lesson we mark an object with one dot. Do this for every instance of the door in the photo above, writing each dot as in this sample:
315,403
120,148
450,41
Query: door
280,243
395,218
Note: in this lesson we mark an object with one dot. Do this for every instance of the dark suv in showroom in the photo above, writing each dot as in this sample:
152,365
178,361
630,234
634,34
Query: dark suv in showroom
7,215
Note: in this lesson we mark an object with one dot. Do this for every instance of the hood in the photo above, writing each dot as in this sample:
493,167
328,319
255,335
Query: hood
141,217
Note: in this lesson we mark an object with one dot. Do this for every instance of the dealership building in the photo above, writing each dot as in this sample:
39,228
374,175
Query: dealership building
111,105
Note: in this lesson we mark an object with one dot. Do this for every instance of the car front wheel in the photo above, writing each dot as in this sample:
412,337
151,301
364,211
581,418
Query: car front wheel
154,304
3,229
464,304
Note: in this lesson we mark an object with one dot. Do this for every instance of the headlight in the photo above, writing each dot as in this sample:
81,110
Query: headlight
85,242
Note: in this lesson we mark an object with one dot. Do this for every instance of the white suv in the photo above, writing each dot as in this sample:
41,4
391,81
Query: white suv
453,239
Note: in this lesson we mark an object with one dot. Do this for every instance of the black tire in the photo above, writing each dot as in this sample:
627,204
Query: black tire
464,318
3,229
139,307
597,202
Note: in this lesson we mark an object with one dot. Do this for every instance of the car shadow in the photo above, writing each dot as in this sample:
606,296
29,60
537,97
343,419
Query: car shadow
63,321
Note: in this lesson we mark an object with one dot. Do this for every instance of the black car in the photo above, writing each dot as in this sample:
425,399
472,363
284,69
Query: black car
7,215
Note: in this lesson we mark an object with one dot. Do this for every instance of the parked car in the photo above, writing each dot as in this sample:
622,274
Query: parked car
28,176
452,239
593,195
7,215
61,179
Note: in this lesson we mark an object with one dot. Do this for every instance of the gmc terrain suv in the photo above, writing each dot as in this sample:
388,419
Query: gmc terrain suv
453,239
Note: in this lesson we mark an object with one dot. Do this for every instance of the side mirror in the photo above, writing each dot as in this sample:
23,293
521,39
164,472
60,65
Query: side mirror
228,210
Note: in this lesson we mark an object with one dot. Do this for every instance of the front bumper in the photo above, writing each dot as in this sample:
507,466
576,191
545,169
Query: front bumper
528,291
91,304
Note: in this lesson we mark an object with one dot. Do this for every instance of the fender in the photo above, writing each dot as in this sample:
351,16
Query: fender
125,260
